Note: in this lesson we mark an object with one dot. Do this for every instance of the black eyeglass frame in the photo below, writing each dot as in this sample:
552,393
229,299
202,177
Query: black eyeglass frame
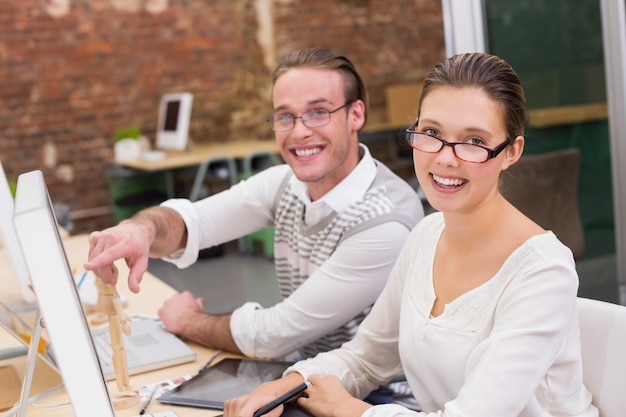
270,119
491,153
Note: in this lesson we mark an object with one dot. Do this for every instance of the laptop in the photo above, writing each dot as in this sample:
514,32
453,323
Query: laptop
75,353
148,347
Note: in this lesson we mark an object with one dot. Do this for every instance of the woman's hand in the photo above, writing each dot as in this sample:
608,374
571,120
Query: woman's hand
326,397
246,405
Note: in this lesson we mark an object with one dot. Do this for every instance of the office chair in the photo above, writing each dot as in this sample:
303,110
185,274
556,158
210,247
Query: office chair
603,345
545,188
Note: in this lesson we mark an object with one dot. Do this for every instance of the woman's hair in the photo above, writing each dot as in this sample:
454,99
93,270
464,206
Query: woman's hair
489,73
319,58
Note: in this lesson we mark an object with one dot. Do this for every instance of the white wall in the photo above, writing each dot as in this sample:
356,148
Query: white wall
614,38
464,25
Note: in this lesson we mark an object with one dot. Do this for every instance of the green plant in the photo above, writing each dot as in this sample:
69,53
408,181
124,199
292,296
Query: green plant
127,132
12,186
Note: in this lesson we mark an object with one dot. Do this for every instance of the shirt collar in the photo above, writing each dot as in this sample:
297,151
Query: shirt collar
349,190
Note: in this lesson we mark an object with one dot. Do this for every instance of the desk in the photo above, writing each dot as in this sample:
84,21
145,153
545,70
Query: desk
148,301
200,154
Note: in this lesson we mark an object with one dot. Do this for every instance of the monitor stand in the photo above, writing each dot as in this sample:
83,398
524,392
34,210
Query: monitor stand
31,352
31,360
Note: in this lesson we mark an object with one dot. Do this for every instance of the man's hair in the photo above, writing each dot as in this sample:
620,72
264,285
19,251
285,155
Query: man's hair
320,58
489,73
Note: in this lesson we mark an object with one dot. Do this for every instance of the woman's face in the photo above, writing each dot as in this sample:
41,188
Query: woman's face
462,115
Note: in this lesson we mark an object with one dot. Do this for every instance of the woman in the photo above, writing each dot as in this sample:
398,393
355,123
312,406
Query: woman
480,309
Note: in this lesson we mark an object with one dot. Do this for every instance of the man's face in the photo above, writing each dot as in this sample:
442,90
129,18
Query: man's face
319,156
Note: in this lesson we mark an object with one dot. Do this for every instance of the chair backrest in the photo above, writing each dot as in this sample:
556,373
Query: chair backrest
545,188
603,345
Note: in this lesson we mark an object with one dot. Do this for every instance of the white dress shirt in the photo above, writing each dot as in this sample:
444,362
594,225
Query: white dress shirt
342,287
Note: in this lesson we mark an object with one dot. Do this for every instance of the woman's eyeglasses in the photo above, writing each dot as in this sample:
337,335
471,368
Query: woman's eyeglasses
465,151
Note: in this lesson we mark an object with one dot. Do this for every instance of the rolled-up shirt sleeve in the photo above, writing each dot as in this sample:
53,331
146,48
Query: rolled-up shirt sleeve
182,258
242,209
348,279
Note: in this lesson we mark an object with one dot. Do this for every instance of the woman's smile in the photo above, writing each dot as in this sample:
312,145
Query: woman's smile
448,182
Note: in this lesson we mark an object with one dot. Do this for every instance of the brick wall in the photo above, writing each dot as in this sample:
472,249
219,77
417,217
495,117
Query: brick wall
67,82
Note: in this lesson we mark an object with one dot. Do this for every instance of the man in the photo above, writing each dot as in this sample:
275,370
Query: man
340,219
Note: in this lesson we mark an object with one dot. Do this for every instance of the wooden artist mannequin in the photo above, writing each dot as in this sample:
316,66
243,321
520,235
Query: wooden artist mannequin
109,308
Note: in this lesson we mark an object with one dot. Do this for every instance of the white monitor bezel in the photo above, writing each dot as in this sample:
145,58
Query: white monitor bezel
58,299
174,139
8,237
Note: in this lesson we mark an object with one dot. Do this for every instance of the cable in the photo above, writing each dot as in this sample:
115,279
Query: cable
32,400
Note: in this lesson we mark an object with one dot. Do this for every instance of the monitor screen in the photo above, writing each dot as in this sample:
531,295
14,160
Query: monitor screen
172,110
173,123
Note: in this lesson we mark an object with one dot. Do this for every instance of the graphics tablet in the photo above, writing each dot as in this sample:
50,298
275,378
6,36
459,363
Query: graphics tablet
226,379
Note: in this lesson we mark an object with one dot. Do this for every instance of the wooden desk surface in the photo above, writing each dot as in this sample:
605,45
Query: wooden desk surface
148,301
182,159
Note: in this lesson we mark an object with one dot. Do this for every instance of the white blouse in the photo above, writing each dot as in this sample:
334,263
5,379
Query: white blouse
509,347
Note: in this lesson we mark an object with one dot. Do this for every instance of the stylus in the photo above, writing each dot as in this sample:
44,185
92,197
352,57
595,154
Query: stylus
147,403
282,399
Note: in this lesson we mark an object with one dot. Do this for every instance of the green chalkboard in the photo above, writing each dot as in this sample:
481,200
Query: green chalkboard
554,45
556,48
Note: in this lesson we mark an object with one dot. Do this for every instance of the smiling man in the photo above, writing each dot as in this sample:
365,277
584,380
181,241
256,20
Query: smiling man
340,219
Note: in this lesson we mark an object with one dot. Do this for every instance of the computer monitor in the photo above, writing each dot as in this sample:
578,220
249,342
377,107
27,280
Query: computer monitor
13,255
173,122
57,297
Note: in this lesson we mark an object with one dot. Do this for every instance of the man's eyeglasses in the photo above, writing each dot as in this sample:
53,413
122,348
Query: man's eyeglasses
465,151
312,118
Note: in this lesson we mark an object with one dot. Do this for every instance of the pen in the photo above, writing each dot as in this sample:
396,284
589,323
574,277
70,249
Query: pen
82,279
147,403
282,399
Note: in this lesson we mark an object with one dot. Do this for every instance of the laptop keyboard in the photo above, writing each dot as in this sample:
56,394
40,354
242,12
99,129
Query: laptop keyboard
102,342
